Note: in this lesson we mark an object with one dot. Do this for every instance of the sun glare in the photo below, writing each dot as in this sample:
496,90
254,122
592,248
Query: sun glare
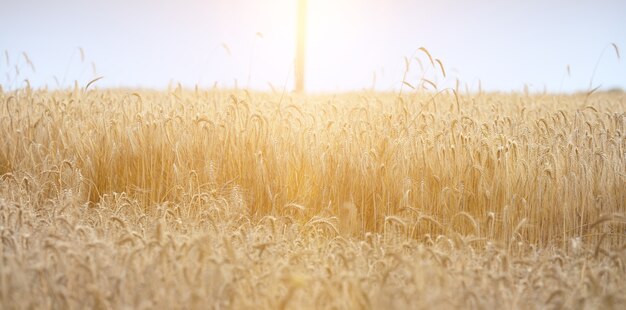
339,42
301,31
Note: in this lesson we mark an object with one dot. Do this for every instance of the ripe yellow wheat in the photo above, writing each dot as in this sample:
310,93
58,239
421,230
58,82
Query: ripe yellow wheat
196,199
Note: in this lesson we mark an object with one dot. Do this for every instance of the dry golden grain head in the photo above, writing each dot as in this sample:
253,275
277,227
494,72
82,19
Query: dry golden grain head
616,50
429,82
443,71
430,58
348,223
392,219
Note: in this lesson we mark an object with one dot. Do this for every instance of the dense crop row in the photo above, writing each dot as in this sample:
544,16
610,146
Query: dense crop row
183,198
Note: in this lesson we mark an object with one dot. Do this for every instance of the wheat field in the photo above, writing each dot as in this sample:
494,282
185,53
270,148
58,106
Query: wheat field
230,199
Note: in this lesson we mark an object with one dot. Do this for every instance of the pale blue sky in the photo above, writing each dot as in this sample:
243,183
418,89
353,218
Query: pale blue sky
142,43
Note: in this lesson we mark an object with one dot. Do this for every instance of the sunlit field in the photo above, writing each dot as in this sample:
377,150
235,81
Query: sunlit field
294,154
196,198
